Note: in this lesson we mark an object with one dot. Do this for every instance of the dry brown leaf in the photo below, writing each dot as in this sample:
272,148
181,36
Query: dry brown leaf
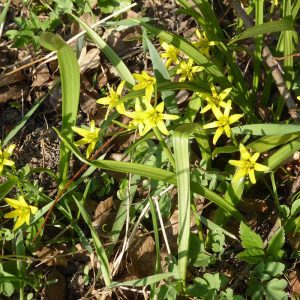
56,291
142,256
14,92
53,256
89,60
41,76
294,277
104,216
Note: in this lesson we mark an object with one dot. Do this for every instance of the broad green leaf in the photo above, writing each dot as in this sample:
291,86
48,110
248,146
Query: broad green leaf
275,289
104,265
116,61
275,245
70,84
266,129
143,281
251,255
249,238
266,143
181,151
269,27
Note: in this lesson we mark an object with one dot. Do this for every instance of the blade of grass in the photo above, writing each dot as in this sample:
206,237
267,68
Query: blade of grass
70,83
259,20
3,16
23,121
104,265
116,61
269,27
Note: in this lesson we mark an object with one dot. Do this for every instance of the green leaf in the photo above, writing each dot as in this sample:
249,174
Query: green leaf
116,61
181,152
265,271
104,265
266,129
70,84
275,245
249,238
269,27
143,281
251,255
275,289
6,187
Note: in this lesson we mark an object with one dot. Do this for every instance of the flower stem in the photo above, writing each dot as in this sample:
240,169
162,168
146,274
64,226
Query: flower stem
164,146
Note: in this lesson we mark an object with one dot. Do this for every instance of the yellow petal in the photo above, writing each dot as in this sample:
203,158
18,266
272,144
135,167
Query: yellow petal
104,100
240,173
217,135
20,221
211,125
254,157
8,162
170,117
245,155
162,127
33,209
9,150
227,108
252,176
234,118
217,112
261,168
12,214
81,131
120,87
22,201
224,93
12,202
205,109
227,130
160,107
237,163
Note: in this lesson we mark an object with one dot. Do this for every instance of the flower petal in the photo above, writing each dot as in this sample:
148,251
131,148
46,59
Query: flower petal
12,214
120,87
261,168
254,157
240,173
245,155
211,125
162,127
217,135
224,94
252,176
12,202
20,221
234,118
237,163
8,162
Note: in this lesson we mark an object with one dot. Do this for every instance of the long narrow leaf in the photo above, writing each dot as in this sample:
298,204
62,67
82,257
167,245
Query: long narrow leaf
70,83
108,51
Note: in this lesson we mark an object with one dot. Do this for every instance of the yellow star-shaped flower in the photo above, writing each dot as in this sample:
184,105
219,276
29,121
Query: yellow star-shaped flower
112,99
145,81
187,70
247,165
214,99
223,121
152,117
4,155
89,137
22,211
203,43
171,54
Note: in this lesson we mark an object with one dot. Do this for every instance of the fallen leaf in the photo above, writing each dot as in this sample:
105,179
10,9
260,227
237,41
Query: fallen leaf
56,291
89,60
41,76
294,277
142,256
52,256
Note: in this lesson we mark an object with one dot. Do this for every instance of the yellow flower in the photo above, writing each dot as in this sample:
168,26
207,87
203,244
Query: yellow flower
214,99
223,121
89,137
203,44
22,211
152,117
137,117
247,165
171,54
4,155
187,70
112,99
145,82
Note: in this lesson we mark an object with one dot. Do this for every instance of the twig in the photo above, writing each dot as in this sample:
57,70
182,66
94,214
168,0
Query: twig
272,64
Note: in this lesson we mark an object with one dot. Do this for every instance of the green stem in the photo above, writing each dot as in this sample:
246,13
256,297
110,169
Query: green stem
164,146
